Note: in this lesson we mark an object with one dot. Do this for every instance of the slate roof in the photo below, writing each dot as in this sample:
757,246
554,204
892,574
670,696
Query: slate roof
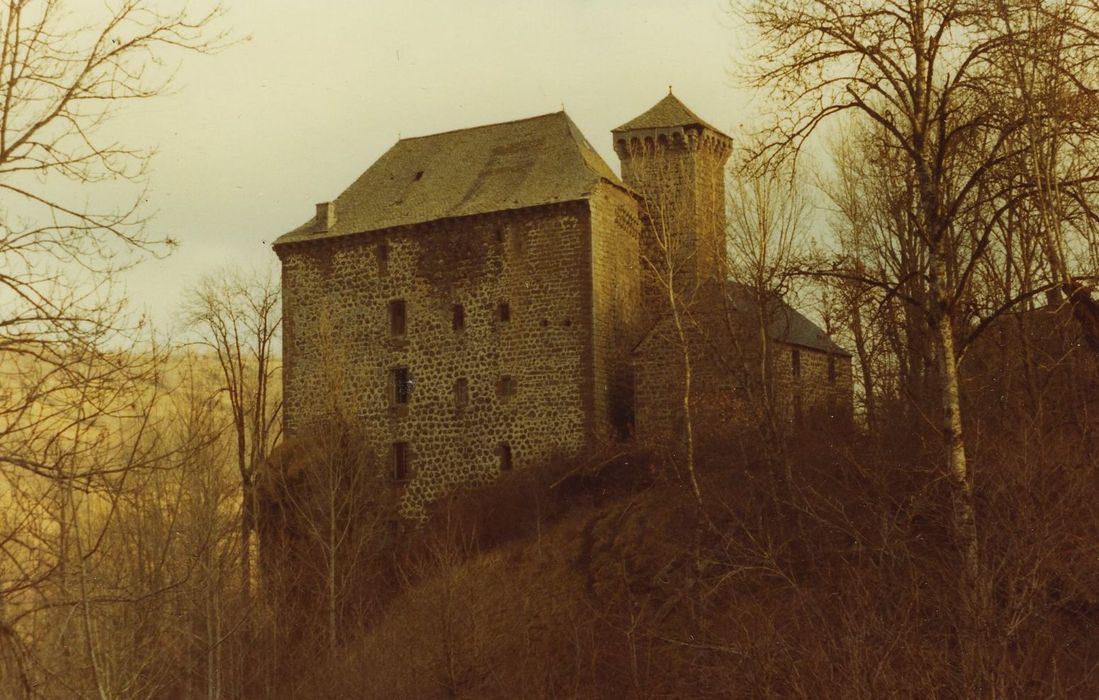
484,169
785,323
667,112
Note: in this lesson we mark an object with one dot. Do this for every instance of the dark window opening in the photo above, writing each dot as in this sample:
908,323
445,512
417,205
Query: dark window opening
400,462
458,321
401,386
505,386
505,457
795,362
461,392
503,312
831,370
397,317
383,259
499,235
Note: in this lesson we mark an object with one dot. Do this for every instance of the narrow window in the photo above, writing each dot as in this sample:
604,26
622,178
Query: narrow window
383,259
458,319
400,462
397,317
831,370
401,386
795,362
461,392
503,312
505,457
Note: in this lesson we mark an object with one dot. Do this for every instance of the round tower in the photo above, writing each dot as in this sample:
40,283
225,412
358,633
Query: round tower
676,162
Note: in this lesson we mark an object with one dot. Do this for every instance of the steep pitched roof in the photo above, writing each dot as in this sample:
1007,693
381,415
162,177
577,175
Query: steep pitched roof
785,323
498,167
667,112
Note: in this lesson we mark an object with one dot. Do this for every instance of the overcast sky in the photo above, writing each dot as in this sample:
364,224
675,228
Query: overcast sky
253,136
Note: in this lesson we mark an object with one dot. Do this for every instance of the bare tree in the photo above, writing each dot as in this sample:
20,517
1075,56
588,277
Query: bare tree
671,251
927,75
767,227
238,317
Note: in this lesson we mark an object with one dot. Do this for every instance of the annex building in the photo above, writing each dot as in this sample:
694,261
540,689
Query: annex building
479,300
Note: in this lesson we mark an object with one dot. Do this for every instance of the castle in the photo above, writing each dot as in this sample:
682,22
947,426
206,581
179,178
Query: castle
481,300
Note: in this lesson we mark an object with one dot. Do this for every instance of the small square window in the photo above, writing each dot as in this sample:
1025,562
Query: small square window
503,312
399,466
461,392
795,362
400,386
505,457
458,317
397,317
506,387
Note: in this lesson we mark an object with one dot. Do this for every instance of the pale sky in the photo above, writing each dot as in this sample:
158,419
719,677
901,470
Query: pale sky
254,136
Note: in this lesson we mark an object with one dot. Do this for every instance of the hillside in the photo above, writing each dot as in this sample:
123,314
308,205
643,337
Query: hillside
784,590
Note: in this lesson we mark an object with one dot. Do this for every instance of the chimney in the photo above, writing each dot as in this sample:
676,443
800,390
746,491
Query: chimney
1053,297
326,217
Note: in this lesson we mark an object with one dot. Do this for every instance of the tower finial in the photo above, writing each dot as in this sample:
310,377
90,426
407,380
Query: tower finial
669,89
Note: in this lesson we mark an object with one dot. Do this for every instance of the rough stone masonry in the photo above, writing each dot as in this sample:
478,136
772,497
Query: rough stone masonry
475,301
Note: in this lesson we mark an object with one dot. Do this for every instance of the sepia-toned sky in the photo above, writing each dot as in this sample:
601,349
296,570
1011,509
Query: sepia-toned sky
314,92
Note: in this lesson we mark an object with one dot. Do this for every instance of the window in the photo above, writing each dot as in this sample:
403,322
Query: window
458,319
399,466
505,387
383,259
401,386
831,370
505,457
461,392
397,317
503,312
795,362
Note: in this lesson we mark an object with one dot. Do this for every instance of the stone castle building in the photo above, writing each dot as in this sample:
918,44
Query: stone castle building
477,301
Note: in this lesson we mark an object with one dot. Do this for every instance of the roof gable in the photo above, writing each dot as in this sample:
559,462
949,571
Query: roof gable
513,165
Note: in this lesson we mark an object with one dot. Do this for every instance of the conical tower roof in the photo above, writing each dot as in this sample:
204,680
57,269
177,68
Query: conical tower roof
668,112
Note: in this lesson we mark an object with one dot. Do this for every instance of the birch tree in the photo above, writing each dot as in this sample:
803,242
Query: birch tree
927,74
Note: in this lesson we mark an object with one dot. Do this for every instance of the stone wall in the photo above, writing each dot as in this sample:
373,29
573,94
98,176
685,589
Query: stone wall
545,381
616,307
817,392
727,378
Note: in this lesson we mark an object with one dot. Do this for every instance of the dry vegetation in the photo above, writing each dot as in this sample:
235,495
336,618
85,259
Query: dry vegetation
944,545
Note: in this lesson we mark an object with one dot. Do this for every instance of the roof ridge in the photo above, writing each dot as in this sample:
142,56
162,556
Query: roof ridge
483,126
